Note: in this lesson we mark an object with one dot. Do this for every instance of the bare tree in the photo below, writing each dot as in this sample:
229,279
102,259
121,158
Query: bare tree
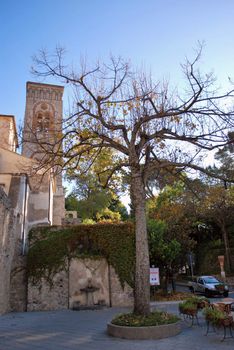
149,126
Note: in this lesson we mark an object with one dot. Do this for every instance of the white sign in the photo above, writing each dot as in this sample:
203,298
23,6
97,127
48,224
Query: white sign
154,276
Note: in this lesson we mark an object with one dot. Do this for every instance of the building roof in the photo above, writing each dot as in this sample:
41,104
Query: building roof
44,85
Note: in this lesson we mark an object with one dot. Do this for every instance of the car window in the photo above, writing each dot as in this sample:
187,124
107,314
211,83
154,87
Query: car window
200,281
211,280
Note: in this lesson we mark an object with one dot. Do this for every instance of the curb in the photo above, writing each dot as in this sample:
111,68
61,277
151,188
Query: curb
143,333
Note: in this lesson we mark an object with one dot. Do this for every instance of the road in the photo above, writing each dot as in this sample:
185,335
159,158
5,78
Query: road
183,288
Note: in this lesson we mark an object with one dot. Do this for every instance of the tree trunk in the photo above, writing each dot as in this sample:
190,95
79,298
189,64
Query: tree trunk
173,283
226,245
142,285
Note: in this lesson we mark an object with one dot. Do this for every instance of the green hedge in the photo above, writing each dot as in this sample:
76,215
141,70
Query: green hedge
51,248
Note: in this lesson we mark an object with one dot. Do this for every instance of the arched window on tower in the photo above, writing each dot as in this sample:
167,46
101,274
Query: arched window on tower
43,119
43,122
39,126
46,121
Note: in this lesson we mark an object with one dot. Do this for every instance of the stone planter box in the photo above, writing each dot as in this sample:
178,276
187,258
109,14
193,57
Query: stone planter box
152,332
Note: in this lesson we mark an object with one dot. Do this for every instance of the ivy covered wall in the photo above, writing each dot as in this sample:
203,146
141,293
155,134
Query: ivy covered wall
52,248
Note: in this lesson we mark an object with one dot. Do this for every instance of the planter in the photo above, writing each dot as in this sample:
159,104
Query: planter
202,304
226,322
188,307
189,312
152,332
223,322
218,318
192,313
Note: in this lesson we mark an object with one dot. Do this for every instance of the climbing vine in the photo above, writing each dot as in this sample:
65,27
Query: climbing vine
52,248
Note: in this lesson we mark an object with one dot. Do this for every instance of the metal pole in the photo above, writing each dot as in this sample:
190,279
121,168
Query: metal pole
191,264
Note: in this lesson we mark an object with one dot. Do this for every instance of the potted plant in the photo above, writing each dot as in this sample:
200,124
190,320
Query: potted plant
200,302
217,317
188,308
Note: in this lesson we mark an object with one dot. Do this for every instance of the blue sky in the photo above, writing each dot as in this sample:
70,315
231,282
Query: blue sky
157,34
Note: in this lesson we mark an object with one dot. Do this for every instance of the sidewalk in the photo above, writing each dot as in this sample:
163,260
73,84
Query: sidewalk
86,330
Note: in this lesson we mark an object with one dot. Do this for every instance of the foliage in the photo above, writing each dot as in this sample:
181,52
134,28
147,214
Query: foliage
215,316
200,302
197,213
163,252
87,208
89,176
218,206
175,206
226,164
51,249
218,201
192,304
159,295
92,201
71,202
207,258
117,206
187,307
88,222
150,126
155,318
107,215
197,299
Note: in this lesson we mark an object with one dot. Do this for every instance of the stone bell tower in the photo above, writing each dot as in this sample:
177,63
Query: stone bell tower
43,122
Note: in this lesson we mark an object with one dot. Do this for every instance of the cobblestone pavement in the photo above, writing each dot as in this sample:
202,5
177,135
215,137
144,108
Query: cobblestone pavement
86,330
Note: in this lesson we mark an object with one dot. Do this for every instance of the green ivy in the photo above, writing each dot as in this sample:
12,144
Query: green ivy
52,248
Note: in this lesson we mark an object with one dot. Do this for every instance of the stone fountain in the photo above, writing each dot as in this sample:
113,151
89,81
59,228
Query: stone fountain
89,290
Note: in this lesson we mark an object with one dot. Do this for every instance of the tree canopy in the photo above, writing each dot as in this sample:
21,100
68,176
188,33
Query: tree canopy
151,127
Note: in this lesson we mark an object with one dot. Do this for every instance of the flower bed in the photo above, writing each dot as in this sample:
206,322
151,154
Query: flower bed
154,326
155,318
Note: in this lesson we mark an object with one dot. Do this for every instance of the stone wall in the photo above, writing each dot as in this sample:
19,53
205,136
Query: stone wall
18,276
58,206
68,288
46,297
119,296
18,281
7,247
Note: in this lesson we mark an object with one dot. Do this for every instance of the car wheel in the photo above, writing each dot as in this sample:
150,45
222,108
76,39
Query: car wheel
207,293
225,294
